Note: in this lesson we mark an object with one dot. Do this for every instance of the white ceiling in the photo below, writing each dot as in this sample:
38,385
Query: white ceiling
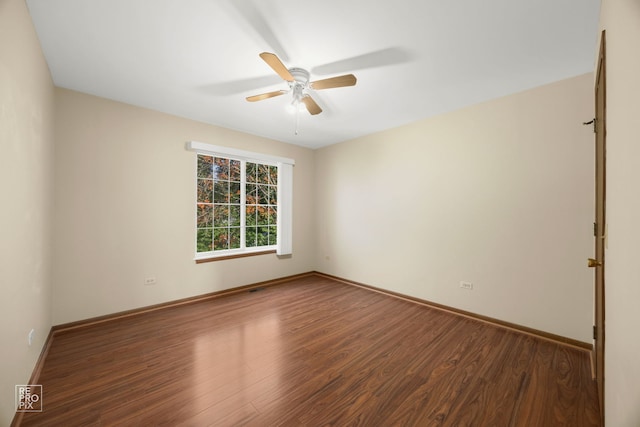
413,58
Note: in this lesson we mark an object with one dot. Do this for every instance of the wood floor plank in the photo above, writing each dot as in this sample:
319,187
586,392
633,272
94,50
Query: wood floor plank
313,351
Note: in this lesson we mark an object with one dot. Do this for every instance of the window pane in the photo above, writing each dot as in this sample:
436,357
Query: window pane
205,191
234,192
204,239
273,235
234,170
263,215
273,175
221,169
273,215
263,194
220,239
221,192
251,194
251,172
273,195
205,166
234,238
250,239
263,236
205,215
251,213
234,215
263,174
221,215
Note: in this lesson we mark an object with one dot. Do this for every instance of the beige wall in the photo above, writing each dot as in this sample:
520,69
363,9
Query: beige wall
125,209
621,20
26,165
498,194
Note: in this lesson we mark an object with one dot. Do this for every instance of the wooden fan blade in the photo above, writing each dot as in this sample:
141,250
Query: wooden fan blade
311,105
340,81
274,62
265,95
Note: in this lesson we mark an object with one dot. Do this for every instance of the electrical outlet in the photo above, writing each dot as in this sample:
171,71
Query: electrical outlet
33,331
150,281
466,285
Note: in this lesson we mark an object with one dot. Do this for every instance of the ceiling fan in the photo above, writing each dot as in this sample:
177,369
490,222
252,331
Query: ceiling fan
299,84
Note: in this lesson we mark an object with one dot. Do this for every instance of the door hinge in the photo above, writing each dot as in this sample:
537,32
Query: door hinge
595,332
595,229
594,122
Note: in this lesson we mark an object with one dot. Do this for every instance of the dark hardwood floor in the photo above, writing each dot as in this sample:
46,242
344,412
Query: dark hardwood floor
311,352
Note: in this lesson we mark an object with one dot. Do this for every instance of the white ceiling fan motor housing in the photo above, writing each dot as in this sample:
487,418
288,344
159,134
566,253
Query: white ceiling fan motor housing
300,75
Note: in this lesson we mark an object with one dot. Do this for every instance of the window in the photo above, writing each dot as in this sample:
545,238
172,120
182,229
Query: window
243,202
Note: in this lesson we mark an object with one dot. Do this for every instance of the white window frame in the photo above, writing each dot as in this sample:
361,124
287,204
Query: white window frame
285,198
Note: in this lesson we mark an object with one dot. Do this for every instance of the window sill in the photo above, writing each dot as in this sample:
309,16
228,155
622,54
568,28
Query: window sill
242,255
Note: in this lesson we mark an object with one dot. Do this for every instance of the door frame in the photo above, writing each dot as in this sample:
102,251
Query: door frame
600,226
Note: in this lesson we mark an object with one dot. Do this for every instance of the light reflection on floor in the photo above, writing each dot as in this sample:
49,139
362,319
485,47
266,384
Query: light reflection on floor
221,382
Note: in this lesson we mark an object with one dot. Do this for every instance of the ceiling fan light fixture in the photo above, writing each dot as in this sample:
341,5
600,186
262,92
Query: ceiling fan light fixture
297,93
295,106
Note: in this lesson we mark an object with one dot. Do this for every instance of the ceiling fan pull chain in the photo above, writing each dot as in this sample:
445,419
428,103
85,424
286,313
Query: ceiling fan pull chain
297,119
